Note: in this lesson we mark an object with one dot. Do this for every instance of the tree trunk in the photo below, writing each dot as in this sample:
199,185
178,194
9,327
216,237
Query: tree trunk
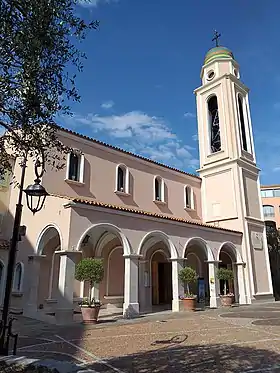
188,290
225,287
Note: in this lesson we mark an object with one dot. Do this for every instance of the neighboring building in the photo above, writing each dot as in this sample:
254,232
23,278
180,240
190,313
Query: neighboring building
271,203
147,219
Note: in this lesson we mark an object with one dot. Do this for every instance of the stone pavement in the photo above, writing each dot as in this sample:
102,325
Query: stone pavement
241,339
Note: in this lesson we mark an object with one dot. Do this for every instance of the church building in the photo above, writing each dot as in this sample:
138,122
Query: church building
145,219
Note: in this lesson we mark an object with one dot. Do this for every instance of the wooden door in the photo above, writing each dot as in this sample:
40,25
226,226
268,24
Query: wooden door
155,292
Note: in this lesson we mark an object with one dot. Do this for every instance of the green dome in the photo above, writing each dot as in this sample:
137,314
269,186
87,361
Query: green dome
218,53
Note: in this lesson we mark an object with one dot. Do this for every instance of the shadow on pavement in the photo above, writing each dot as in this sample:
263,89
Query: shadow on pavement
197,358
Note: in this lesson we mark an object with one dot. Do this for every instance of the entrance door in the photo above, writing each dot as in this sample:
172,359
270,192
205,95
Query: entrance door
155,290
162,283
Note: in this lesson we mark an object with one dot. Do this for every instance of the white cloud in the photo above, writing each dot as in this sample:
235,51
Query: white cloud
189,115
108,104
140,133
195,137
94,3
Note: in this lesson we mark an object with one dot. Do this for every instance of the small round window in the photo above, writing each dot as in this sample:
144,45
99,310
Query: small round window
210,75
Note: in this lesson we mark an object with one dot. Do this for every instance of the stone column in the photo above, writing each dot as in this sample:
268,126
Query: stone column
241,283
33,270
213,284
64,311
177,286
131,304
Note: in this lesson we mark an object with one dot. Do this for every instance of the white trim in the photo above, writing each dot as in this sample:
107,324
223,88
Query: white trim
112,229
161,185
162,237
203,243
81,166
126,179
41,235
14,289
190,197
108,268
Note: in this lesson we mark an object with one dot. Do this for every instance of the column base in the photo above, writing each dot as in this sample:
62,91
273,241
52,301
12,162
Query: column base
215,302
130,310
64,316
244,300
176,305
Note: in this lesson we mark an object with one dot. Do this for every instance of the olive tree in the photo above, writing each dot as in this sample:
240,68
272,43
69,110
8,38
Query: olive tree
39,59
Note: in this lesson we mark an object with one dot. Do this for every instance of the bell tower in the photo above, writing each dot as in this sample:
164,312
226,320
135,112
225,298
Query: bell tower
230,178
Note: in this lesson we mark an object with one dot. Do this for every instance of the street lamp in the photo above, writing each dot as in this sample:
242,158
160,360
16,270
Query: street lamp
35,192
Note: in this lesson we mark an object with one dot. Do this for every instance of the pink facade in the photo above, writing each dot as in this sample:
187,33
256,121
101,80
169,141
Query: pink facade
146,220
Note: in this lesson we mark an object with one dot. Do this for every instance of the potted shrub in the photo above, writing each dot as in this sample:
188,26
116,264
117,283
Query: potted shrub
226,275
91,270
188,276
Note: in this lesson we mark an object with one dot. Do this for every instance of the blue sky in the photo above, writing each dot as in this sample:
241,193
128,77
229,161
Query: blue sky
144,63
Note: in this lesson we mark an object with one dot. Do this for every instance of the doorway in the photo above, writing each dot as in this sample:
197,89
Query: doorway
161,280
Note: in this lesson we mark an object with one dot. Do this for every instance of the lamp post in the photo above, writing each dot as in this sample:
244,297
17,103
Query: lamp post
35,195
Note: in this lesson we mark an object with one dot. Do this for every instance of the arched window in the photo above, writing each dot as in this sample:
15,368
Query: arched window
242,124
189,197
122,179
75,167
17,286
215,137
158,189
268,211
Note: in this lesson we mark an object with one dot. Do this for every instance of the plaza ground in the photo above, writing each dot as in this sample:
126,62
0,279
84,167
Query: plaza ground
241,339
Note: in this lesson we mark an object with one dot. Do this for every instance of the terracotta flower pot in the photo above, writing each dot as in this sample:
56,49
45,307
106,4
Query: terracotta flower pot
90,314
226,300
189,304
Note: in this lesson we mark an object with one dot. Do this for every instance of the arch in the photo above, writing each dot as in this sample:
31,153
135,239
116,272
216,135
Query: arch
200,241
18,277
38,249
122,178
162,237
112,229
233,250
158,251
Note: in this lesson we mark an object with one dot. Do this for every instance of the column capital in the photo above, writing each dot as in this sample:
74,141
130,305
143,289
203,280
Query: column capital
69,252
240,264
132,256
212,261
179,260
31,258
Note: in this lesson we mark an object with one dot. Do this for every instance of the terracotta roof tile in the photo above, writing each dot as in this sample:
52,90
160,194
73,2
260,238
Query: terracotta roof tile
126,152
141,212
